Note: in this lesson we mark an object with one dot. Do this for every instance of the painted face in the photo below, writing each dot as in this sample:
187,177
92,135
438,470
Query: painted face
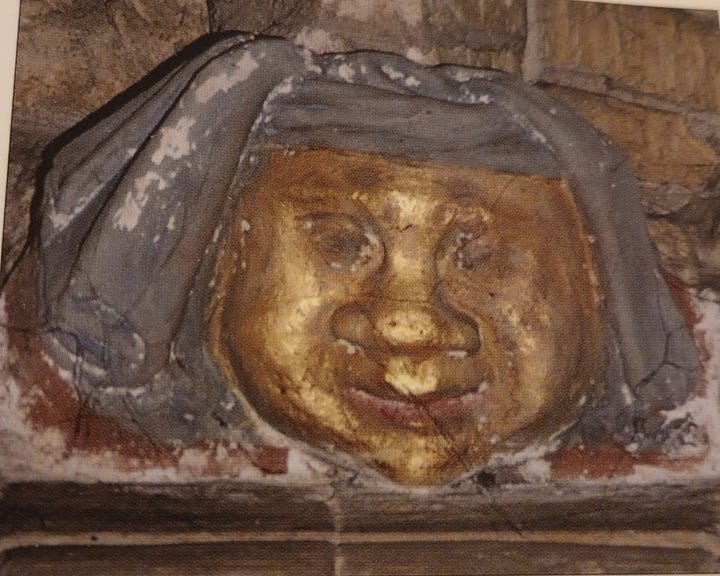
420,317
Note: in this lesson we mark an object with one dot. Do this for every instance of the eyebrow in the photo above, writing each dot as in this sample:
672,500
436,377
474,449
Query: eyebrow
312,195
462,195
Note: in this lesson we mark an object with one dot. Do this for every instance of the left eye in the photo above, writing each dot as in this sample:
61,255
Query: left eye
473,253
342,242
469,250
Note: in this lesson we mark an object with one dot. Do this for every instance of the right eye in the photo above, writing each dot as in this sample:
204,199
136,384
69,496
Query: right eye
342,242
470,250
472,253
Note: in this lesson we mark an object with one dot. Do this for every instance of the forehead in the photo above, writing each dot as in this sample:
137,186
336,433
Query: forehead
336,179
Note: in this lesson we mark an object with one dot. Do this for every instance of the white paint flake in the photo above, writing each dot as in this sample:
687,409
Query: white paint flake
60,220
462,75
242,69
536,471
627,395
466,74
285,87
128,215
308,58
538,137
346,72
471,98
174,141
457,354
349,347
392,72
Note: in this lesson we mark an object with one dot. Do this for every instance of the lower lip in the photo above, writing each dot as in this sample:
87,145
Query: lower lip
416,413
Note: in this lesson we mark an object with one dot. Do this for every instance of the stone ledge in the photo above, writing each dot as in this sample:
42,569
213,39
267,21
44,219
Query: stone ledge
329,556
220,507
229,529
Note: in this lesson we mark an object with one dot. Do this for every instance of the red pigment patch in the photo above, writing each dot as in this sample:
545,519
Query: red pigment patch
52,403
225,458
609,460
681,296
604,460
270,459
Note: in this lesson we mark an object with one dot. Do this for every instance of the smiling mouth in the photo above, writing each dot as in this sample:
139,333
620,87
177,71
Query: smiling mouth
415,412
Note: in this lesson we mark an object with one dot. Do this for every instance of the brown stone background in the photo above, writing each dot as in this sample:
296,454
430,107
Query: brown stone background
648,77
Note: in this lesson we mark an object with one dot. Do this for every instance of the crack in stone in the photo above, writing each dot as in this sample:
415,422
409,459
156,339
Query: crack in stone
460,457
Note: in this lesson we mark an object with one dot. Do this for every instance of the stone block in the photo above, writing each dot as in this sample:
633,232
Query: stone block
677,167
490,34
652,55
661,146
74,55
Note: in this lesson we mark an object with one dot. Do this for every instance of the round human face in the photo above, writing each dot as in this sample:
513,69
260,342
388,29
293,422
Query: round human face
420,317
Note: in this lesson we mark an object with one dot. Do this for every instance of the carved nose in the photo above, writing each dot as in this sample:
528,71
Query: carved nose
407,327
404,314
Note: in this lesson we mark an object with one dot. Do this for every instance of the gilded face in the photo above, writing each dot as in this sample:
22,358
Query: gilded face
420,317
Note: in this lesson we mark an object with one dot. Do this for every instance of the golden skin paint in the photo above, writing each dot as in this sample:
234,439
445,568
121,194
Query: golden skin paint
420,317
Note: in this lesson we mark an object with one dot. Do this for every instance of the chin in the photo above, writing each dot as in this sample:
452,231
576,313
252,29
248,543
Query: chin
432,466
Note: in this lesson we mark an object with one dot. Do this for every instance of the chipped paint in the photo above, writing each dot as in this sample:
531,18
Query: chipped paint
538,137
346,72
395,74
627,395
457,354
128,215
242,69
392,72
412,82
472,98
309,59
349,347
285,87
60,220
467,74
174,141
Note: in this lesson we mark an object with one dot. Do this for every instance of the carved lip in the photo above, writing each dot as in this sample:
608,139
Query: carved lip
416,412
